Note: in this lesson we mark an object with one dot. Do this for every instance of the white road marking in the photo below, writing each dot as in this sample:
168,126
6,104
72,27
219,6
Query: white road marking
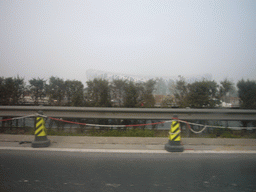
113,185
120,150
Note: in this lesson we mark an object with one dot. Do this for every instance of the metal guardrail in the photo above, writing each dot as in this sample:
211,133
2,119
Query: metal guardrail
130,113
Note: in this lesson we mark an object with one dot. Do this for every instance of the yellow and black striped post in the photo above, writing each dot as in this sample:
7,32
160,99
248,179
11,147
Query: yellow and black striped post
174,138
40,133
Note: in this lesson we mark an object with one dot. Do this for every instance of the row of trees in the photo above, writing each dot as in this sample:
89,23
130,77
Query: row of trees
14,90
11,90
99,92
207,93
200,94
122,93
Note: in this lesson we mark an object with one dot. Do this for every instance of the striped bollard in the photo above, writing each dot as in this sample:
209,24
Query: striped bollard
174,138
40,133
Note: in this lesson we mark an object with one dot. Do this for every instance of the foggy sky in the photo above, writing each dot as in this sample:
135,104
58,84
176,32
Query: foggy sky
152,37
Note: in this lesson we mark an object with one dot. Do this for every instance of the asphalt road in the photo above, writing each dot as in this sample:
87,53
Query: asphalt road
74,171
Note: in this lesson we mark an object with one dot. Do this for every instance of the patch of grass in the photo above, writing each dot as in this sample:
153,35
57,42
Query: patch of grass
138,132
16,130
63,133
251,136
30,131
212,135
122,133
161,133
229,135
193,135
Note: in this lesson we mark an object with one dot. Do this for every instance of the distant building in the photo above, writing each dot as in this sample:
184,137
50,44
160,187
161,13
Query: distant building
28,100
235,101
97,74
165,101
110,76
159,99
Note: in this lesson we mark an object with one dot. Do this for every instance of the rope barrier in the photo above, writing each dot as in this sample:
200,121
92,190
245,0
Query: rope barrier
5,120
23,117
145,124
97,125
136,125
16,118
111,126
66,121
197,132
214,126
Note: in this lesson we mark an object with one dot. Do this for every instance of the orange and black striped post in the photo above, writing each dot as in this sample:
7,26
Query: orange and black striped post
40,133
174,144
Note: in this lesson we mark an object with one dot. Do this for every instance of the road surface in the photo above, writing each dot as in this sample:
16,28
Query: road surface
74,171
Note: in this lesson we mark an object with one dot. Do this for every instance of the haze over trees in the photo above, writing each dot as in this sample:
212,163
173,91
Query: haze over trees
11,89
56,89
37,89
247,93
98,93
74,92
118,91
122,93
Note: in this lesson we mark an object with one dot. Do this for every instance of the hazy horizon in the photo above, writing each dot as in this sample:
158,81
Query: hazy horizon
150,38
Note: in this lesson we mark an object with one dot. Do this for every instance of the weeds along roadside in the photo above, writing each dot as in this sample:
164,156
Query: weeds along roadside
133,132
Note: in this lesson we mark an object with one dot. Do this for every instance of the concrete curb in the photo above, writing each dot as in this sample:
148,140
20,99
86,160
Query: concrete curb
126,150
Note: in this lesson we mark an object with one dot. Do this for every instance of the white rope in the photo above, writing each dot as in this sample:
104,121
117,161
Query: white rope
214,126
39,115
96,125
24,117
197,132
117,126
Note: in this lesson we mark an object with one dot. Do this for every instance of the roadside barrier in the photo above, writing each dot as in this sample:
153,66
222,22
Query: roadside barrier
136,125
2,120
111,126
174,144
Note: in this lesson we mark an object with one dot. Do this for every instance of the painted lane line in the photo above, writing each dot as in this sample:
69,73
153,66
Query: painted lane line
121,150
84,150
